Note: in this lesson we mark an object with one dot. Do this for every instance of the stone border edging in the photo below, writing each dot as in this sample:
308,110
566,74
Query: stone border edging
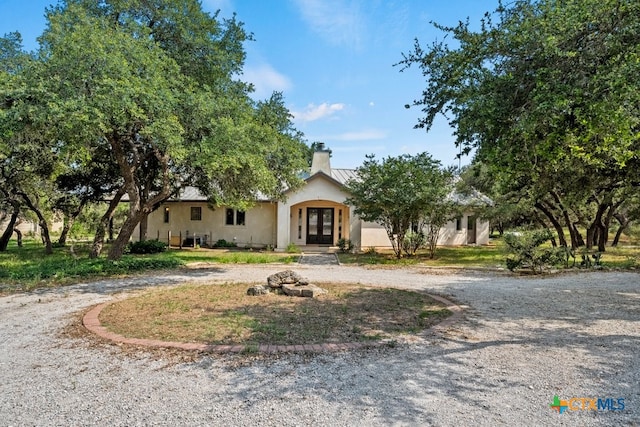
91,321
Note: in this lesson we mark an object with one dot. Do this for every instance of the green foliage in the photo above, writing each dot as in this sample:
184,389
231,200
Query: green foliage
547,92
398,193
146,247
413,241
345,245
131,95
221,243
292,248
26,268
525,250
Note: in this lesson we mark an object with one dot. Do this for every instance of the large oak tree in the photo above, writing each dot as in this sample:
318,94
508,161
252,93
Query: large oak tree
548,92
154,87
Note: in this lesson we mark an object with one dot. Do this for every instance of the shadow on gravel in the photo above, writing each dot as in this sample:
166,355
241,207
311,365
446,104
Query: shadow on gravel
134,282
523,343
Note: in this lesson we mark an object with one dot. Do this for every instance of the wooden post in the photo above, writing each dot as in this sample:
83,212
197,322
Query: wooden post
181,239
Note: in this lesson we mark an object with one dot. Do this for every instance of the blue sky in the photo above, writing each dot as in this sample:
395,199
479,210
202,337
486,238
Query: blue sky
333,61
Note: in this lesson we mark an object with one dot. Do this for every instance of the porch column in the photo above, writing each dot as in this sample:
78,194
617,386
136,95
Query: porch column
283,226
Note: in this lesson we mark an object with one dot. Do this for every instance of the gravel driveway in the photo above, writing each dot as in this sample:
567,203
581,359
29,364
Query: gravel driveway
521,341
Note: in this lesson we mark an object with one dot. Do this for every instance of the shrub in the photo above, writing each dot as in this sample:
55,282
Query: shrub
345,245
525,251
146,247
292,248
221,243
412,242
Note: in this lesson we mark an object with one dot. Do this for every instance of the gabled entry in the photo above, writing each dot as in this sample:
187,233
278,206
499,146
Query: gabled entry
319,226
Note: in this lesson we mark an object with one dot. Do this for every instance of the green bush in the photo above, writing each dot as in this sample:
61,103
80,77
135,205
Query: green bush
525,250
412,242
221,243
345,245
146,247
292,248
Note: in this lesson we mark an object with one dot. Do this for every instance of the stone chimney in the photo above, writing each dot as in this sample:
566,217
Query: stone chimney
321,160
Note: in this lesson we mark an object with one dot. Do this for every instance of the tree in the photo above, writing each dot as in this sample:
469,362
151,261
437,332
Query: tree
399,193
153,84
27,161
549,96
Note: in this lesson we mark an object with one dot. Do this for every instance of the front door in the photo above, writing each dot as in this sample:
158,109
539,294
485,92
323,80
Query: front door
319,226
471,230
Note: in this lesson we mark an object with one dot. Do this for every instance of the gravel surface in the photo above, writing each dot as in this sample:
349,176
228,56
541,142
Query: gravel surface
521,341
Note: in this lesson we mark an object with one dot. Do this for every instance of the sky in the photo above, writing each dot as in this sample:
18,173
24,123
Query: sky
333,60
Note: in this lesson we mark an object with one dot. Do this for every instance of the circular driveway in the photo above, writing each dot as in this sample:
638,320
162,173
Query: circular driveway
520,342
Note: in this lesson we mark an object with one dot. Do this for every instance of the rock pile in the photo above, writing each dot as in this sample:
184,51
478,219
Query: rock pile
287,282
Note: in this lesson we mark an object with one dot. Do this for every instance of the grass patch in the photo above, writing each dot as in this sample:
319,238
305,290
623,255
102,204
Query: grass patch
224,314
28,268
230,256
460,256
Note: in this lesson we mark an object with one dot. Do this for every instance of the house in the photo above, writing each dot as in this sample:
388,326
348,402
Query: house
311,217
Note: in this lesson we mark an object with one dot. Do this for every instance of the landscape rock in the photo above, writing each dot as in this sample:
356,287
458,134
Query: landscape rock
289,277
258,290
290,283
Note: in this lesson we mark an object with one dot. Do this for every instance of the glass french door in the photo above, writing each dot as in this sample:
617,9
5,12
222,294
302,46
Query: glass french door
319,226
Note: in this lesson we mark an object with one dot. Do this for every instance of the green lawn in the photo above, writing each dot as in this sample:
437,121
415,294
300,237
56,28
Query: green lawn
28,268
460,256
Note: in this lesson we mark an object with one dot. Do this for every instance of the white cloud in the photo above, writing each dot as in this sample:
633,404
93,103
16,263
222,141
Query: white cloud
316,112
340,22
266,80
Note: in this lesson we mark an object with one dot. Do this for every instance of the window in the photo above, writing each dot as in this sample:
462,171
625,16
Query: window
299,223
234,217
196,213
240,218
459,224
166,215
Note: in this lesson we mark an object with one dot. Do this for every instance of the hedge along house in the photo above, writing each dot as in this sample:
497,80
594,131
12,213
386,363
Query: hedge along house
313,217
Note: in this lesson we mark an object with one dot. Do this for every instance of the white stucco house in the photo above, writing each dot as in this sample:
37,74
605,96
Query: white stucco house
312,217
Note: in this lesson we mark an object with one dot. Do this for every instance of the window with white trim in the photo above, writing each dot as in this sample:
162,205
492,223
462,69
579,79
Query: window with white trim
235,217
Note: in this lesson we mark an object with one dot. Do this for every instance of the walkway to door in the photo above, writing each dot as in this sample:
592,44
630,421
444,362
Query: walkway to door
318,259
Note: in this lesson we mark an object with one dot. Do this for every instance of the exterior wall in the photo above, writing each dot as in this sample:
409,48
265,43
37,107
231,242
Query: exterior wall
374,235
28,227
258,231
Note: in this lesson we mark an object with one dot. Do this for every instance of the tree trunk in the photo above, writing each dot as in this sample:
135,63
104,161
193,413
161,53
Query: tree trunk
68,222
579,238
595,230
144,227
8,232
119,245
19,236
556,224
44,227
567,219
98,239
624,223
